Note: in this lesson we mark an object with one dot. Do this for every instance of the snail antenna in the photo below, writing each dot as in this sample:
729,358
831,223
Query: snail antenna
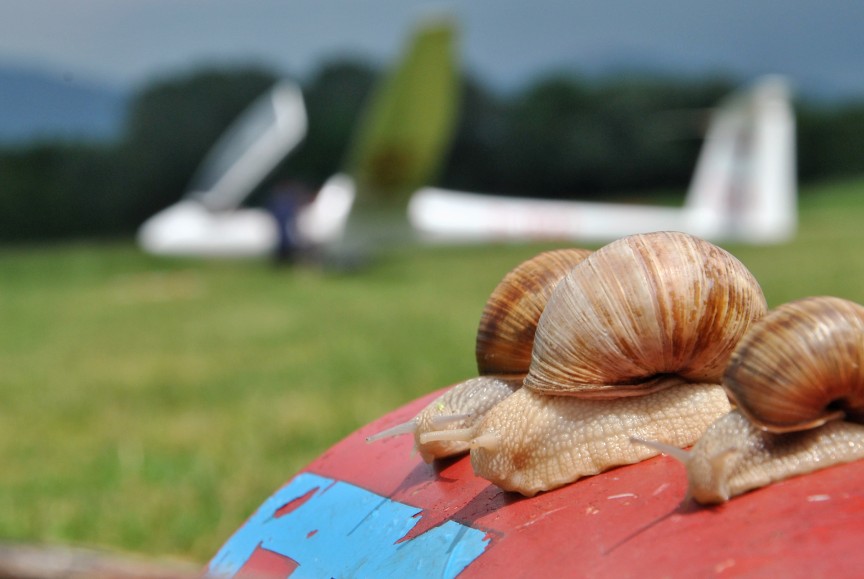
454,435
443,420
486,441
678,454
405,428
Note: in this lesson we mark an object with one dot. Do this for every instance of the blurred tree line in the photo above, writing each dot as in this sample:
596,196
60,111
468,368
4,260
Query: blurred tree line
560,137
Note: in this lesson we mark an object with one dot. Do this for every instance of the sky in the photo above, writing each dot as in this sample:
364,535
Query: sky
124,43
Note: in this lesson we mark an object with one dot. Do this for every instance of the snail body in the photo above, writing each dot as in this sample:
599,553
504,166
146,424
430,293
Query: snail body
797,379
735,456
505,338
565,438
652,318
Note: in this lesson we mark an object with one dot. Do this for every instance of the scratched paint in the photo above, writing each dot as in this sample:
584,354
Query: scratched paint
333,528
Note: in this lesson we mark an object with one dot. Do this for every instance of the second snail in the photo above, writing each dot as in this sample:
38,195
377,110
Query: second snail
797,381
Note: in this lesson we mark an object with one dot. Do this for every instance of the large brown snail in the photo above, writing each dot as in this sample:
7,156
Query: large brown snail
633,342
797,379
505,338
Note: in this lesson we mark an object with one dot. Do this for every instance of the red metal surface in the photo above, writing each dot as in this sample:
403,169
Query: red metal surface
631,521
264,563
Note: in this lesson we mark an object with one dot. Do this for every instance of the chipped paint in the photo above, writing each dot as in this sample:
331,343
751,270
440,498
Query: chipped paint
333,528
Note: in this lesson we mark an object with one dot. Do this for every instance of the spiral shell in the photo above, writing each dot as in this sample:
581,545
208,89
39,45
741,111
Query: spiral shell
801,366
641,308
505,336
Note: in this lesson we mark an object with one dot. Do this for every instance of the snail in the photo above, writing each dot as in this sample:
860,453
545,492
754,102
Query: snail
797,379
505,337
633,342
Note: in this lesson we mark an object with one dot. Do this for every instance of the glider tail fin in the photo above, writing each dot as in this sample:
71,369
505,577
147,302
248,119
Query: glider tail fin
744,186
401,137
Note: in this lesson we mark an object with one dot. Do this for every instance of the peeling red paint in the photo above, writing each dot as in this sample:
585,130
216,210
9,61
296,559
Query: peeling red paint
295,504
264,563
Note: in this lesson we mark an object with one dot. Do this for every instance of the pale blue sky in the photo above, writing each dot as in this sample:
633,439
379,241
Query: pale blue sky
125,42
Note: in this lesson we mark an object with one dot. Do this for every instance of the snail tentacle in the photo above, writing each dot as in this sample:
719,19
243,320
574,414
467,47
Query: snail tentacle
448,419
463,435
679,454
408,427
487,441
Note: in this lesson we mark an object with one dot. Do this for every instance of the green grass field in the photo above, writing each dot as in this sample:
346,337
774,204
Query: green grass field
150,405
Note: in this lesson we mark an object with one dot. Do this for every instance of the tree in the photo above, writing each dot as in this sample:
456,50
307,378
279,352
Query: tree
473,162
334,97
55,191
567,137
171,125
829,141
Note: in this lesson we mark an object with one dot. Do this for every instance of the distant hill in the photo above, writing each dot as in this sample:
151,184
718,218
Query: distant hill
38,105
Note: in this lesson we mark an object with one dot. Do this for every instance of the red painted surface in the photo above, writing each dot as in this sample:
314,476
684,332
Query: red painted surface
295,504
628,522
264,563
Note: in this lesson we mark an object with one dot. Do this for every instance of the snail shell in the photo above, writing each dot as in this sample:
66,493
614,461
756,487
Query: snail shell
644,314
797,378
642,307
505,338
802,366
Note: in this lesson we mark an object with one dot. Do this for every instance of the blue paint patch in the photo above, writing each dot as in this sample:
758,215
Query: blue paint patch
342,530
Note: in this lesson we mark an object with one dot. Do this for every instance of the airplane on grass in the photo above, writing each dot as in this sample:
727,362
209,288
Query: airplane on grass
401,138
743,188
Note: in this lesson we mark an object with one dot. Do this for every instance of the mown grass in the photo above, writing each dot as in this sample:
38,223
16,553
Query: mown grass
150,405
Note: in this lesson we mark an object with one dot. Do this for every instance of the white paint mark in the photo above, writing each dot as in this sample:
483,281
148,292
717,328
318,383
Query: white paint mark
540,518
622,496
661,488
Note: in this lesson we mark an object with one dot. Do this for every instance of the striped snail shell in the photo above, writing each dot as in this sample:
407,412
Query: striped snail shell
802,366
505,336
640,308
